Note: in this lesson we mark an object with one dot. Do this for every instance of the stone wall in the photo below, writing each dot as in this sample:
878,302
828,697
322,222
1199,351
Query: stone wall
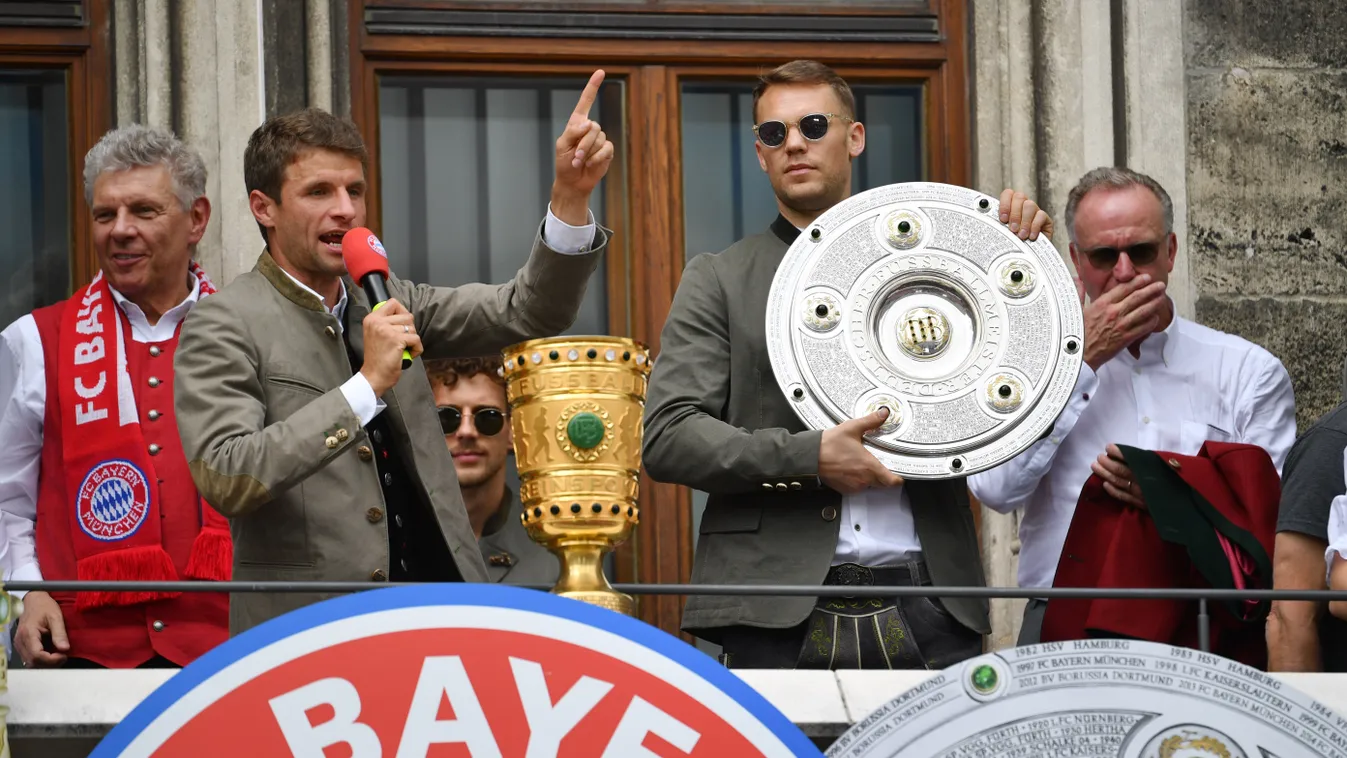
1267,182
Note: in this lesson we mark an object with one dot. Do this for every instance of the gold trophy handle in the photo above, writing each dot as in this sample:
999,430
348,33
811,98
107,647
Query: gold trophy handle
10,609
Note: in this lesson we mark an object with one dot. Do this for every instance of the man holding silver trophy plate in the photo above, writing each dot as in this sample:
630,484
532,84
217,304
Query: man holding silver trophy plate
868,314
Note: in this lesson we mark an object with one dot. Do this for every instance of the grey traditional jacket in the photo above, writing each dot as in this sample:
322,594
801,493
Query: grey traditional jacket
511,556
273,444
717,421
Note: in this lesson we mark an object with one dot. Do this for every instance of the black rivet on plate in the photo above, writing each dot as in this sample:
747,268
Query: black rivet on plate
554,355
596,508
821,310
616,509
592,354
556,509
798,393
1004,390
575,507
984,203
815,233
904,227
1017,276
1071,346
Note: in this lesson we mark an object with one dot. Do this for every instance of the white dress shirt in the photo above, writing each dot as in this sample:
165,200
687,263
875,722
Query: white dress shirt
23,397
1189,385
877,529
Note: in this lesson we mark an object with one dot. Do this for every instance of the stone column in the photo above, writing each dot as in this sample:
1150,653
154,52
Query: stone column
1005,153
212,71
1154,90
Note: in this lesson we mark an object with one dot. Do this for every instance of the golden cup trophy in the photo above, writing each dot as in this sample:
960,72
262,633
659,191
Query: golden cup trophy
575,413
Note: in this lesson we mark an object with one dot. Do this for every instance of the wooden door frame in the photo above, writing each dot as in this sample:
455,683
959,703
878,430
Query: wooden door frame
82,52
653,70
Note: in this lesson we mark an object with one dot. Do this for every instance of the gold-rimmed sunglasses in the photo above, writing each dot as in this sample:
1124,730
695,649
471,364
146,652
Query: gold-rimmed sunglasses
812,127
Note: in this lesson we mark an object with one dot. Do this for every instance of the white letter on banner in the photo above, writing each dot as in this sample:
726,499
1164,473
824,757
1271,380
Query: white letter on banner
85,392
440,676
89,298
308,740
85,412
88,352
90,325
641,719
548,723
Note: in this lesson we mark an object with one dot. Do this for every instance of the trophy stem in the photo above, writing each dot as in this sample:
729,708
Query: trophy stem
582,574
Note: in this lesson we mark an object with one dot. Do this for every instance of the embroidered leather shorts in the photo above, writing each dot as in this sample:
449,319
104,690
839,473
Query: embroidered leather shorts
883,633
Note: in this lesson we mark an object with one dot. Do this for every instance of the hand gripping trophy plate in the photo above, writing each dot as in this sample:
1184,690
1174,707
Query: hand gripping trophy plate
916,297
575,414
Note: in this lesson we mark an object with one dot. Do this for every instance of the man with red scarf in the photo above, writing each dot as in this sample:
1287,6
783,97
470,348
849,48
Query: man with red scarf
93,482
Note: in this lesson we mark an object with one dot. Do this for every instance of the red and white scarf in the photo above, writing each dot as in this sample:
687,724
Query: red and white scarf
110,477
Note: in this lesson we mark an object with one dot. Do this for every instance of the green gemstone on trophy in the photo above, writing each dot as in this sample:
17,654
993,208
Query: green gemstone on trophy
585,430
984,678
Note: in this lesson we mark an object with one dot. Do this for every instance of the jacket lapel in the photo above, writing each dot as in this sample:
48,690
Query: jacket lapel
271,271
356,311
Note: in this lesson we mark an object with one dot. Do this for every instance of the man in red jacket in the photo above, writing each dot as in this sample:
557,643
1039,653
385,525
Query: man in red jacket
93,482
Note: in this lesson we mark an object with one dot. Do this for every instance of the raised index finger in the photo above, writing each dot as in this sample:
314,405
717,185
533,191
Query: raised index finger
590,93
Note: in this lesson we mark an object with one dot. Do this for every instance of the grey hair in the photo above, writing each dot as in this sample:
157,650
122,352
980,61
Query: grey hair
135,146
1116,178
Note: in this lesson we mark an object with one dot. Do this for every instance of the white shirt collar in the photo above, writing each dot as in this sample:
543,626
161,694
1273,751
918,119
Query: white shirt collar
168,322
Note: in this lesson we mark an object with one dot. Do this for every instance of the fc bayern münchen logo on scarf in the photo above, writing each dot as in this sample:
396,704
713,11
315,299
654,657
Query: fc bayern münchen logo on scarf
113,501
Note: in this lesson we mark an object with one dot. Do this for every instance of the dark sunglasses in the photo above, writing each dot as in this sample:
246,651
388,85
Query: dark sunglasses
812,127
487,421
1141,254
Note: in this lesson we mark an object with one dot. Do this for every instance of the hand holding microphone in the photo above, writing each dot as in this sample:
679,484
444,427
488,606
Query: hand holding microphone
390,333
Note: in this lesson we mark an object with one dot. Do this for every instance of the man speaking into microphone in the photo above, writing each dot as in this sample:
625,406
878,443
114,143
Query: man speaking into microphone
298,419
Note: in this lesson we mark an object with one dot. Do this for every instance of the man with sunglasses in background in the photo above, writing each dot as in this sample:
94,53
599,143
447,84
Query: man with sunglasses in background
1151,379
789,505
470,399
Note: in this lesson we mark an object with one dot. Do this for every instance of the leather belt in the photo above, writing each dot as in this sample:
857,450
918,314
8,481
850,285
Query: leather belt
911,574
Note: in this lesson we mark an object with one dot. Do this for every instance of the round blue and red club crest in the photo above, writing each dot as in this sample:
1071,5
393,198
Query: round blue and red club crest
376,245
113,500
455,670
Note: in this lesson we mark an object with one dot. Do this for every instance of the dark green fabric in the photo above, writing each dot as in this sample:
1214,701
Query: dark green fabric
1183,516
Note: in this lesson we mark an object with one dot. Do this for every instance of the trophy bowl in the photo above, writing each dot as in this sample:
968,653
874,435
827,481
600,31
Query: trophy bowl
916,298
575,413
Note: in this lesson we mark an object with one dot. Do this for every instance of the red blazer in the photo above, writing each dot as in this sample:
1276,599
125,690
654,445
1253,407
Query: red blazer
1210,521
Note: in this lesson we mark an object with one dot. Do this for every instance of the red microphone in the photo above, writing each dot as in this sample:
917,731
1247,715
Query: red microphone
367,263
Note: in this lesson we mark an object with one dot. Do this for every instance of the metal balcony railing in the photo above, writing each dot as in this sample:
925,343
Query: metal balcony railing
1202,596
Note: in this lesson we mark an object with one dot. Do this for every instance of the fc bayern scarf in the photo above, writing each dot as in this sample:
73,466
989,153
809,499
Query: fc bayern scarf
108,471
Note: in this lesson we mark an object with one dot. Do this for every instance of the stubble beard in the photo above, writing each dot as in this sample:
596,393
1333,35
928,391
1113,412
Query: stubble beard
812,201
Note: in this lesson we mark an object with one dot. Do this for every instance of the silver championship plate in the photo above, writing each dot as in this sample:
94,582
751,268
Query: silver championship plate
916,297
1106,698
